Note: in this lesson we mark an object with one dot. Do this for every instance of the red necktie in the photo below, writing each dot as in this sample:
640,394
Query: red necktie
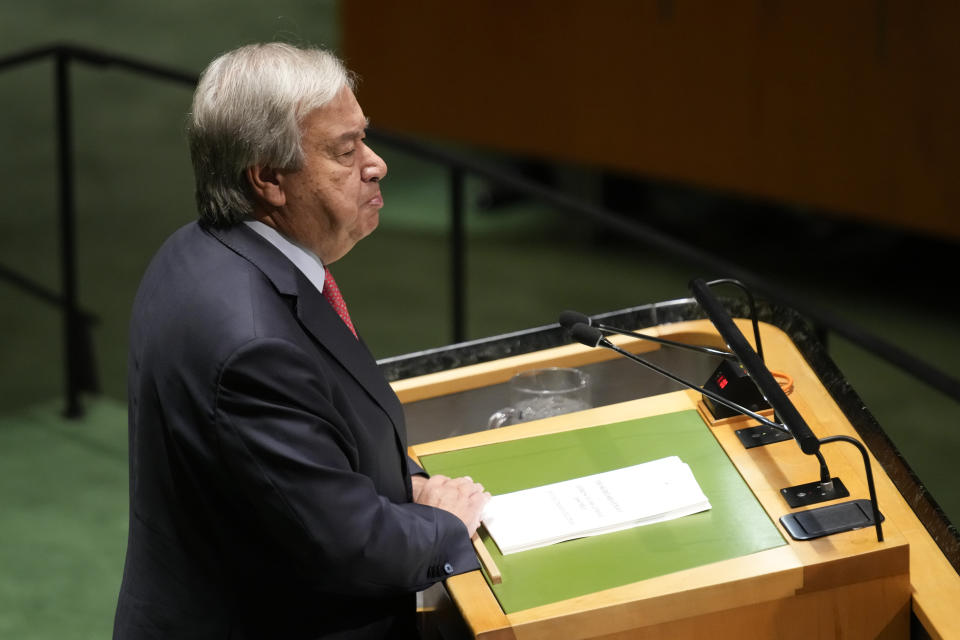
332,293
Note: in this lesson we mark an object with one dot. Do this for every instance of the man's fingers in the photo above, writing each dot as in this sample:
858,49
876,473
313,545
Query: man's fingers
467,486
462,497
474,511
439,484
431,488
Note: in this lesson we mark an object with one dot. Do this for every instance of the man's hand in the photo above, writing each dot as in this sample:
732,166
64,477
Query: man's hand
462,497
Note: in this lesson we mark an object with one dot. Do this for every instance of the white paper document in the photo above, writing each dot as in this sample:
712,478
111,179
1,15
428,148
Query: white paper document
629,497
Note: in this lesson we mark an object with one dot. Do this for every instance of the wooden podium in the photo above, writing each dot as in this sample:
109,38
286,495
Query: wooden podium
846,585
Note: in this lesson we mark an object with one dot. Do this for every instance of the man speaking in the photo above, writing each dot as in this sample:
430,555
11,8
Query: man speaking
270,491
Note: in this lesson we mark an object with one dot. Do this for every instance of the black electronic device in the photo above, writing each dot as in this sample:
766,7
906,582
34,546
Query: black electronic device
732,381
803,495
834,518
760,436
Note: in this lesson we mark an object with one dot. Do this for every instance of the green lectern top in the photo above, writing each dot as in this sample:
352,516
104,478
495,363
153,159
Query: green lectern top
735,526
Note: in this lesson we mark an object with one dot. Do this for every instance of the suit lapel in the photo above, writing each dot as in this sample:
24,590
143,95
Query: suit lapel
317,317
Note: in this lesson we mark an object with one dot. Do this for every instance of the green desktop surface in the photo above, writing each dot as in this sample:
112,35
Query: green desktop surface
735,526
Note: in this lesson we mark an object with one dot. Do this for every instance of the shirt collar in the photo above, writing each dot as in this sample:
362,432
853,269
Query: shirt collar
303,259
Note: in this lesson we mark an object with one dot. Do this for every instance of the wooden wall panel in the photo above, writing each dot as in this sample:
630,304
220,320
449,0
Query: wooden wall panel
847,106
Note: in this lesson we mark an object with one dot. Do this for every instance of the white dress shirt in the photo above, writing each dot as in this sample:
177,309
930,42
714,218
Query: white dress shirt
303,259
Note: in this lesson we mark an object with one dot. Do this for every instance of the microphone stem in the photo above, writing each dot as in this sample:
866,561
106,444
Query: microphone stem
753,309
710,394
826,482
869,471
670,343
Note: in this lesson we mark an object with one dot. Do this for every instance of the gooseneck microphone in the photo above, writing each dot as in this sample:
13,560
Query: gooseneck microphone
755,367
784,409
593,337
568,319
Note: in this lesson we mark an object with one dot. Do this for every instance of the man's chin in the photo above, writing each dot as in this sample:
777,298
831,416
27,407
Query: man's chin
371,222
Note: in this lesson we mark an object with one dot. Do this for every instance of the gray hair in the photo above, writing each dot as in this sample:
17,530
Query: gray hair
247,110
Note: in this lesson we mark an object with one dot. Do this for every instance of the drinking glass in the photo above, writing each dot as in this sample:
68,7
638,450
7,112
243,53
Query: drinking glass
541,393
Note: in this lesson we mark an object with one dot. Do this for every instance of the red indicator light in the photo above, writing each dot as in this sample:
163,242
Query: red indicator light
721,382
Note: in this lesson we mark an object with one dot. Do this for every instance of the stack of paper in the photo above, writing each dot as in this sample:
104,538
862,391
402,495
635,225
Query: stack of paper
642,494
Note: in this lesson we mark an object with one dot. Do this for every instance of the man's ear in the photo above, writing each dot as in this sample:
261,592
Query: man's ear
266,186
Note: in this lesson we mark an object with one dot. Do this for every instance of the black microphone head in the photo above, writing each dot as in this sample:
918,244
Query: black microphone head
570,318
587,335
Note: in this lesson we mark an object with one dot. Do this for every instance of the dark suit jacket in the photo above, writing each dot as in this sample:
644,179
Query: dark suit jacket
269,490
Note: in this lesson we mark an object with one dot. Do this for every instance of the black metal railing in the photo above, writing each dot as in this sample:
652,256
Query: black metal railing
79,372
79,362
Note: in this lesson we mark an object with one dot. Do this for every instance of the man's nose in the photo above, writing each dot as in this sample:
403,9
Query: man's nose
375,169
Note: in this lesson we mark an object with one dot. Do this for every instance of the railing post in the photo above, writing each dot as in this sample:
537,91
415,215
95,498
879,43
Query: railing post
72,331
458,255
